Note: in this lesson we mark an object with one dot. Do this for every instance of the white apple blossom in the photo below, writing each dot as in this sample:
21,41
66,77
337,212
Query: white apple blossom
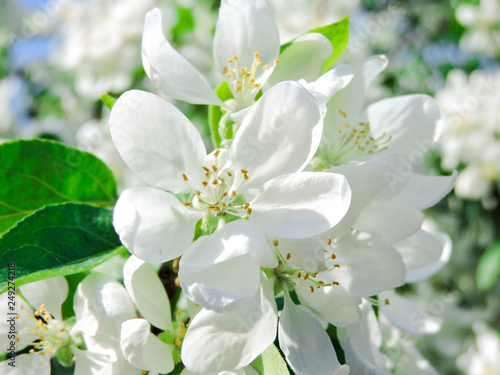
471,131
100,306
98,43
246,50
481,358
140,347
481,22
255,179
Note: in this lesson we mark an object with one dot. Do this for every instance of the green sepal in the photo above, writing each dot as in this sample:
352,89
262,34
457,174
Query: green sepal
488,268
215,112
108,100
338,34
270,362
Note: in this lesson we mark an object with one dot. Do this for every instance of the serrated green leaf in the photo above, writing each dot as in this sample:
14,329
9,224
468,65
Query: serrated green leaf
488,268
34,173
57,240
338,34
215,112
270,363
108,100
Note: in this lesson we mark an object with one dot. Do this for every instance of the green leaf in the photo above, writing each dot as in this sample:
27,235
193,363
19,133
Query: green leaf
185,22
488,268
270,363
338,33
57,240
34,173
215,112
108,100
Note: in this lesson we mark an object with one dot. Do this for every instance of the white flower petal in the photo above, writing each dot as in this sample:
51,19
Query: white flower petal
156,141
221,272
49,292
101,305
414,275
330,83
364,73
405,315
361,343
410,120
368,265
424,191
380,176
226,286
301,205
334,306
148,293
144,350
134,334
303,340
153,225
26,364
25,337
421,250
96,360
244,28
168,70
394,221
296,63
227,341
234,239
279,134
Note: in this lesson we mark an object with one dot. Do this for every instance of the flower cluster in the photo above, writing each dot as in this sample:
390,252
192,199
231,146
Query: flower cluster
290,232
311,198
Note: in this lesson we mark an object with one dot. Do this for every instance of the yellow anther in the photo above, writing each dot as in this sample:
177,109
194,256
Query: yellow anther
187,204
299,275
204,183
224,70
334,256
235,58
386,301
288,256
229,60
256,54
217,153
306,276
32,351
337,266
184,177
335,283
177,342
342,113
276,61
249,211
233,193
275,243
312,289
215,182
329,241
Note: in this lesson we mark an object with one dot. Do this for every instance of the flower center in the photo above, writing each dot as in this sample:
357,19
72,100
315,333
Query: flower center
351,141
216,194
244,82
293,276
53,336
